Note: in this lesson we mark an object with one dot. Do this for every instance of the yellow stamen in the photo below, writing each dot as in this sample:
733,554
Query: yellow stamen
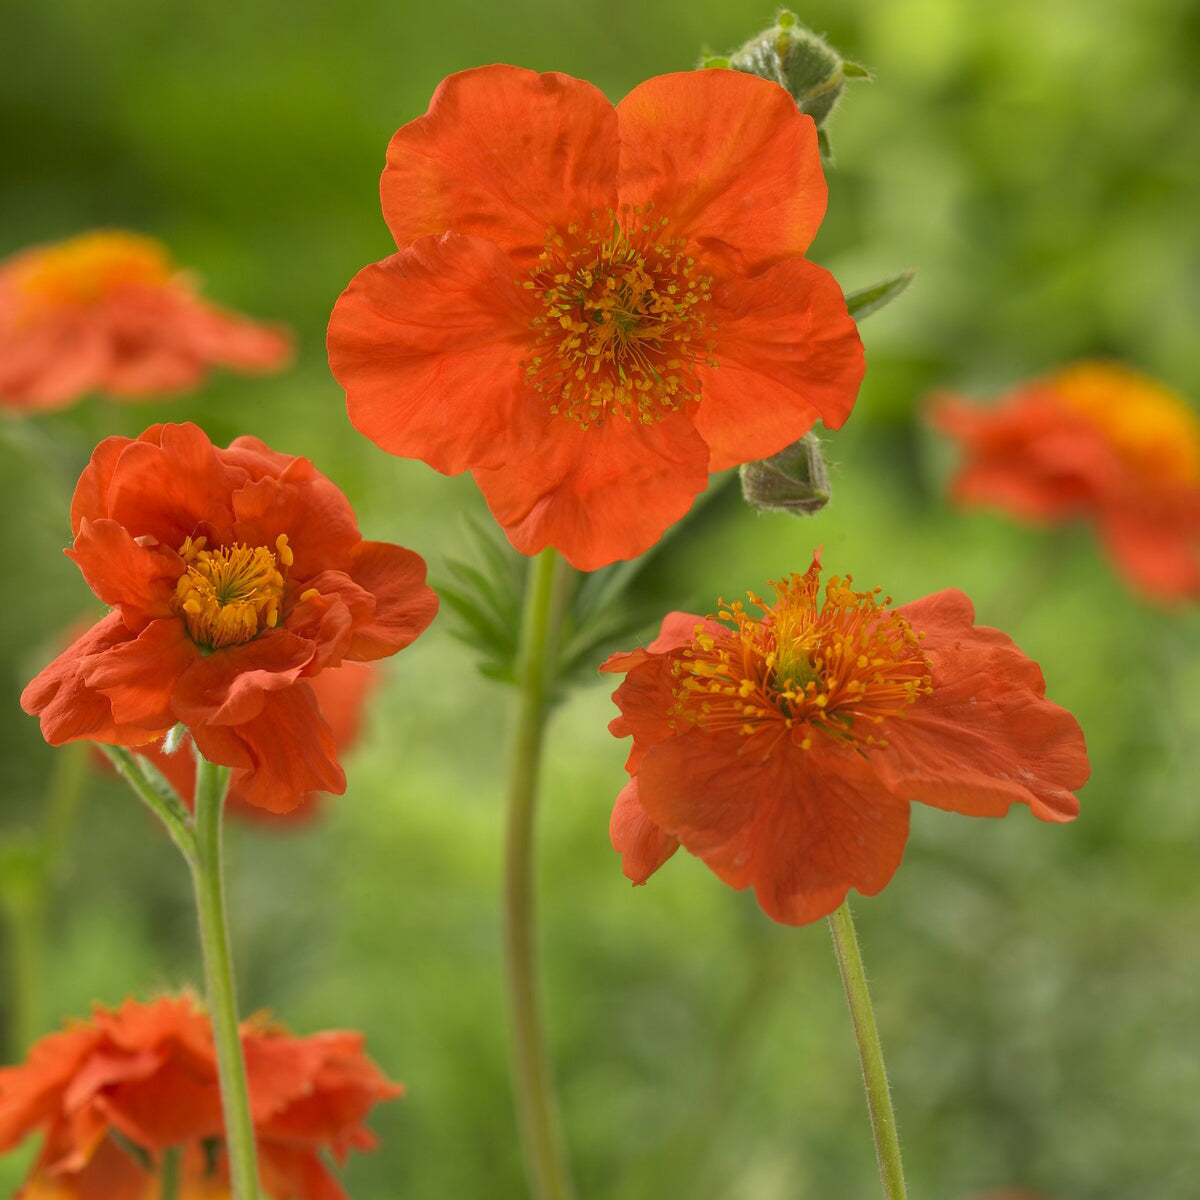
802,669
85,269
623,320
229,595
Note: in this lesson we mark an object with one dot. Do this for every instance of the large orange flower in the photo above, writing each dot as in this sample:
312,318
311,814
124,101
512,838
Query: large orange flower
784,749
1098,441
235,576
592,308
110,312
114,1093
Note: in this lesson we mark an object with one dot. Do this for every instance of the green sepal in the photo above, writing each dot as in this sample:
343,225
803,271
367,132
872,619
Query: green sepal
870,299
796,480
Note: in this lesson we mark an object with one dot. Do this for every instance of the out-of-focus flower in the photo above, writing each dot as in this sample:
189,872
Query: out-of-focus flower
340,692
1099,441
115,1093
592,308
784,749
110,312
235,577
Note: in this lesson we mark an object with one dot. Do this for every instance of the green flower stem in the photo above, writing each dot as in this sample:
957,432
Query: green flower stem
168,1175
870,1053
160,800
212,782
536,1105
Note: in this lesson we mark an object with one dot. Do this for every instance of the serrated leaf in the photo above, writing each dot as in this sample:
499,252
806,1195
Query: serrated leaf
867,300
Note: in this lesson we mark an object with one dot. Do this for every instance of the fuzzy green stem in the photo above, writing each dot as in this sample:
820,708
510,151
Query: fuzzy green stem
168,1175
870,1053
537,1112
212,782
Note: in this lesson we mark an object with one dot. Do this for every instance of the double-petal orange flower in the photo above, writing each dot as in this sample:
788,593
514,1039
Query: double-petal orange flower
594,307
235,576
115,1093
784,749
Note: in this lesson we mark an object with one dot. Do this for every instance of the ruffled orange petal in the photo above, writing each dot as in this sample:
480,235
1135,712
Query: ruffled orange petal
69,708
231,685
986,736
599,494
502,154
404,604
642,845
801,828
216,335
428,345
138,677
287,750
1157,547
138,579
788,354
725,156
52,363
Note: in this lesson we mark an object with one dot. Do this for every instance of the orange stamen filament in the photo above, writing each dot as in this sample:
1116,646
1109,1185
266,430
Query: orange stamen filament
623,320
229,595
839,670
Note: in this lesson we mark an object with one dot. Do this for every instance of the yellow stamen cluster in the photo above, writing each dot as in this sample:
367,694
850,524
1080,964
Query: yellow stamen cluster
85,269
1155,431
623,320
229,595
800,670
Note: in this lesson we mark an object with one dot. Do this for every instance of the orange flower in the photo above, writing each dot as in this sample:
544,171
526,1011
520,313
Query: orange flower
340,693
1099,441
592,308
116,1092
235,576
110,312
784,750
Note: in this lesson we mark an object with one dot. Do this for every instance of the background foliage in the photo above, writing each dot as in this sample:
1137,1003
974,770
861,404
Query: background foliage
1039,164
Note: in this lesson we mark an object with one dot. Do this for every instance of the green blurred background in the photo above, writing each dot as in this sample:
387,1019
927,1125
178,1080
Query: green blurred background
1037,987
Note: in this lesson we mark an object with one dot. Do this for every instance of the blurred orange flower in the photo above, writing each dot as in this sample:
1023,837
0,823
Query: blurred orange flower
235,577
1100,441
340,693
784,749
114,1093
592,308
110,312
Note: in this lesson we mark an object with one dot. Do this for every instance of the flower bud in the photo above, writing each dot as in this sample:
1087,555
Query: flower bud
795,480
793,56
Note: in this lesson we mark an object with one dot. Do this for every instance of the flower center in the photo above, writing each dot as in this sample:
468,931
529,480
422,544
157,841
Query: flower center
228,596
839,670
1149,426
85,269
623,320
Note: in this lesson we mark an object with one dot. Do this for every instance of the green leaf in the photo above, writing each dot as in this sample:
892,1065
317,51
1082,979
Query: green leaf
867,300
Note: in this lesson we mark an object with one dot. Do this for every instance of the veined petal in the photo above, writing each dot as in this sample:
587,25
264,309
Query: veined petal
642,845
788,354
723,155
502,154
428,345
404,604
138,579
986,736
800,828
139,675
602,493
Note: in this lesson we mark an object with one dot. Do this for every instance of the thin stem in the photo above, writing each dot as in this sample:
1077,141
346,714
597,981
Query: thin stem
163,803
870,1053
168,1175
212,782
537,1112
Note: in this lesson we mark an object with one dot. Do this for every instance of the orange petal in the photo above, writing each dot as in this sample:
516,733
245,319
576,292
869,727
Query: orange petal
723,155
139,676
404,604
642,845
788,354
600,494
139,579
502,154
428,345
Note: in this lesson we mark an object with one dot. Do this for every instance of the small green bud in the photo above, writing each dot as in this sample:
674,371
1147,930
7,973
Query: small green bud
795,480
800,61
